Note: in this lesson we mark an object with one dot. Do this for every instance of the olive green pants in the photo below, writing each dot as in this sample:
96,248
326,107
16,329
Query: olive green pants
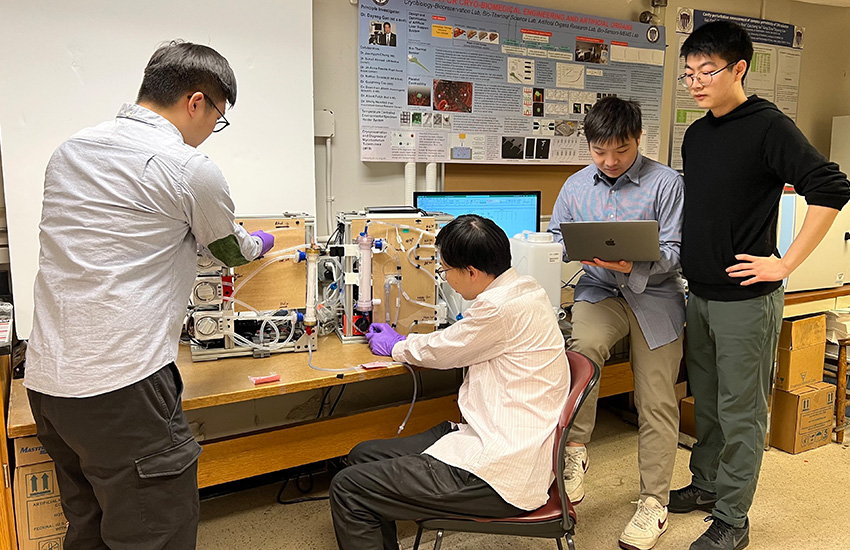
729,352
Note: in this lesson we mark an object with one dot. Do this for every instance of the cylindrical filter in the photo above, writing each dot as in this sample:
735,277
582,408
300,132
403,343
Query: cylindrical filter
312,286
364,296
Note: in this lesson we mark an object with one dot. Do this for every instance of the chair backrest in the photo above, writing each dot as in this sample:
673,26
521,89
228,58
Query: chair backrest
584,374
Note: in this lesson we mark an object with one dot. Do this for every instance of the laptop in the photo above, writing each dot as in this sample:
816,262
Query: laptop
635,241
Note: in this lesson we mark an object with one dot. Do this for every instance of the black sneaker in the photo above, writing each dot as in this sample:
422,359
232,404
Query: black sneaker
722,536
690,498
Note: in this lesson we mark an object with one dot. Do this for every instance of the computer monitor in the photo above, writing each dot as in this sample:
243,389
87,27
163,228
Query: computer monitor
513,211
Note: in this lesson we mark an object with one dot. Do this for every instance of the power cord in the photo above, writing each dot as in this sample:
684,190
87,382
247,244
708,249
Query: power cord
330,467
565,285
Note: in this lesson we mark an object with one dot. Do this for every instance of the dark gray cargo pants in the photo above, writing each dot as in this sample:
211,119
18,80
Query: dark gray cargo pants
126,465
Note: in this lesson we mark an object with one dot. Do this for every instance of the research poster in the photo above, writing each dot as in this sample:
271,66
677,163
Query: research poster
495,82
774,72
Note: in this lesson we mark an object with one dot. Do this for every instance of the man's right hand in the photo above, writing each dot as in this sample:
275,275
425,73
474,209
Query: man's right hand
382,337
266,239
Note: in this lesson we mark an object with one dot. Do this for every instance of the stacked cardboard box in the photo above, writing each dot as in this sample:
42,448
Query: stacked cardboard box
802,410
802,418
40,521
802,345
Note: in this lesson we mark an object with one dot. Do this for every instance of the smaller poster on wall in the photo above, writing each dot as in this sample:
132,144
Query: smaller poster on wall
774,72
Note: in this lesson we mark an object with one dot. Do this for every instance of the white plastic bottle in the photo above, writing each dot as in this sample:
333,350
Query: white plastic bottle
537,255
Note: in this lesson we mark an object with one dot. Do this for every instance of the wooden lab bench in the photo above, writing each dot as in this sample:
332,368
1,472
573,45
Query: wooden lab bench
212,383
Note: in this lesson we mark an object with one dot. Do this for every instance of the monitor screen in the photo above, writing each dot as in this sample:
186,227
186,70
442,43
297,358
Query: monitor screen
513,211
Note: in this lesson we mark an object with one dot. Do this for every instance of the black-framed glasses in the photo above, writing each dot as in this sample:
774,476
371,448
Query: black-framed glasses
704,79
222,122
441,273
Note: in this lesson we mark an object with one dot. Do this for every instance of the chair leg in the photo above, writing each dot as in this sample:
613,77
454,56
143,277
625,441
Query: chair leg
570,544
558,542
438,542
418,537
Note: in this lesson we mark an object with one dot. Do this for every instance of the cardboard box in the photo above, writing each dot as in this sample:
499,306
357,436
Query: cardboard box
800,367
802,346
803,331
40,521
801,419
687,424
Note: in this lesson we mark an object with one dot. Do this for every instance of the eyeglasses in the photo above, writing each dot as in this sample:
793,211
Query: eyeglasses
222,122
704,79
441,273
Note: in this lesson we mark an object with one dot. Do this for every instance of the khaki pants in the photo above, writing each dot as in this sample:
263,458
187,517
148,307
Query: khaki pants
597,327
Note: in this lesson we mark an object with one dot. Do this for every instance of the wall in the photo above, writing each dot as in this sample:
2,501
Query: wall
824,90
69,65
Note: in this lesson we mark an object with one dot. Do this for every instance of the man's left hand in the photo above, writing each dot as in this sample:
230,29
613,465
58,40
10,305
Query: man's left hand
758,269
622,266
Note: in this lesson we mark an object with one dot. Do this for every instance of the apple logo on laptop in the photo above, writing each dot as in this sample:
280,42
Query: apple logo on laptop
610,242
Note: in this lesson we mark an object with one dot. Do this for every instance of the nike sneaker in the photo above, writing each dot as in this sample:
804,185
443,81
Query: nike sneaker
648,523
722,536
691,498
574,469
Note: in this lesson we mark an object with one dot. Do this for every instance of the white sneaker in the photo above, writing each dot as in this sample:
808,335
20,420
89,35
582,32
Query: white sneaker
575,465
648,523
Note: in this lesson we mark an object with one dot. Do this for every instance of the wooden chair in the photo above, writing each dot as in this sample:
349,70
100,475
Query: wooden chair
554,520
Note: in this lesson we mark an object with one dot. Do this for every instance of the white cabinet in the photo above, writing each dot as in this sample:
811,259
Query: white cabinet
829,265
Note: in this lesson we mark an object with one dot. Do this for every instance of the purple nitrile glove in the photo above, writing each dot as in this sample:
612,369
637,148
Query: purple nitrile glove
266,238
382,338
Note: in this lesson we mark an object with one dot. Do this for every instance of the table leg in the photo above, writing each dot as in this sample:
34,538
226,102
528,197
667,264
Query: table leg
841,392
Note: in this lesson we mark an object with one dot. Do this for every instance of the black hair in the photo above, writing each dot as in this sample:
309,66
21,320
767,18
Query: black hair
725,39
388,23
179,68
613,120
473,241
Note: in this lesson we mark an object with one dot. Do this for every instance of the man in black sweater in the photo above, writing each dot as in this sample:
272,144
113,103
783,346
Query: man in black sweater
737,160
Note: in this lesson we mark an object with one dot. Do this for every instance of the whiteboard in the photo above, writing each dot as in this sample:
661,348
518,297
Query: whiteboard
70,64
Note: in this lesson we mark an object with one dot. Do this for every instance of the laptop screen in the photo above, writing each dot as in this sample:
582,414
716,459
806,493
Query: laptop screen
513,211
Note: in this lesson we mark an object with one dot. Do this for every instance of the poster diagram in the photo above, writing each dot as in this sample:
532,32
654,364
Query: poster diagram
774,73
496,82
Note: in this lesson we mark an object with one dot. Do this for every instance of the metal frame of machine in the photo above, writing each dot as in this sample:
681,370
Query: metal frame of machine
218,330
403,239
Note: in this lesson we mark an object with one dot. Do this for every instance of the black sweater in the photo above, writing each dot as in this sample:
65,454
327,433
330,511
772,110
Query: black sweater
735,169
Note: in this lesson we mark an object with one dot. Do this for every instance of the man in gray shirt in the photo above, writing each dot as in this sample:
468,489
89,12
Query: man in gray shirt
126,203
642,300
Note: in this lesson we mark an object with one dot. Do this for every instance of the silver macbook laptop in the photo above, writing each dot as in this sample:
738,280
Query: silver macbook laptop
635,241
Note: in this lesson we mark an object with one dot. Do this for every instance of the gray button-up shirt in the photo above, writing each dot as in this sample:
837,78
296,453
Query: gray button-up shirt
125,205
647,191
